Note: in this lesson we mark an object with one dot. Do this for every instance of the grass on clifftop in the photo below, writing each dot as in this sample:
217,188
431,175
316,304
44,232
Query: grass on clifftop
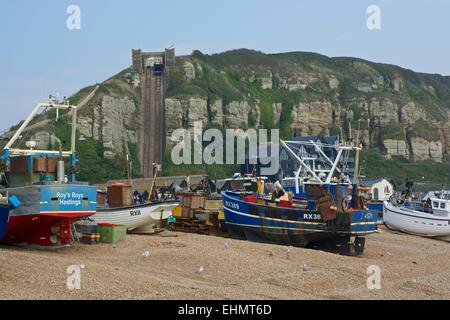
399,168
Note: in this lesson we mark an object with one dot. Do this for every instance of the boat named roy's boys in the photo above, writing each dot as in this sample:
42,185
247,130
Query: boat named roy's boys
51,201
4,214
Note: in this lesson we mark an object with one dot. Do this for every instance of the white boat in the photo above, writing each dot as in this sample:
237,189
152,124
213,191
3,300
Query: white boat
441,194
432,220
139,218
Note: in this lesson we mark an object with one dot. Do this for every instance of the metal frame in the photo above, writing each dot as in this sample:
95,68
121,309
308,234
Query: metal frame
334,168
8,151
57,107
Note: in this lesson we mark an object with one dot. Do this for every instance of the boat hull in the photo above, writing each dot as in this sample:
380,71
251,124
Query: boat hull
47,212
378,207
291,226
140,218
4,217
416,222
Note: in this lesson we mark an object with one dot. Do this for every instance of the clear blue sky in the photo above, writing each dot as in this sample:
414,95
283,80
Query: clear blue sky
39,55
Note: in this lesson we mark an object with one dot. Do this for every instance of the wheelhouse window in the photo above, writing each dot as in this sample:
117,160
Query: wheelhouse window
435,204
442,205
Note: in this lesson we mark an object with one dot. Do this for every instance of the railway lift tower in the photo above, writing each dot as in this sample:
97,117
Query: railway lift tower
153,70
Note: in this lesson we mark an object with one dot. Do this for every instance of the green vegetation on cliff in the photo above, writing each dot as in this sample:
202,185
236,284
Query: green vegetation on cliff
399,168
361,93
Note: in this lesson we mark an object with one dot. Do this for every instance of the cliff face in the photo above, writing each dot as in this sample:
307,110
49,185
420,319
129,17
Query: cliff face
398,111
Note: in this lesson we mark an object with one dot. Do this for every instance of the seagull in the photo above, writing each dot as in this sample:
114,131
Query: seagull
200,269
146,254
305,267
288,252
226,245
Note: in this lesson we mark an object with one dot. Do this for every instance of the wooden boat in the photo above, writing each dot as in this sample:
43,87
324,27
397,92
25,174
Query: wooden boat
287,225
138,214
326,212
140,218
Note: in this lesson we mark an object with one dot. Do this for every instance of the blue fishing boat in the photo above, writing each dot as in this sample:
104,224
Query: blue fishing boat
4,217
324,210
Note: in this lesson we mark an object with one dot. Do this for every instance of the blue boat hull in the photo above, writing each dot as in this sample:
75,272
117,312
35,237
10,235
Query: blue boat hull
292,226
377,207
4,217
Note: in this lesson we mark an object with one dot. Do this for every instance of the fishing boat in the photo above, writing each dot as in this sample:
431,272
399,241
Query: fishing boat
4,215
138,214
138,218
428,218
51,200
318,159
328,210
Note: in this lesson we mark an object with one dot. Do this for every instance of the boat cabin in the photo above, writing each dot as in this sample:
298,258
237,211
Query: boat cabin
440,207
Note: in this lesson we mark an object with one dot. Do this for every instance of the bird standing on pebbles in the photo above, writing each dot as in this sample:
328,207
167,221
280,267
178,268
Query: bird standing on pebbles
146,254
200,269
226,245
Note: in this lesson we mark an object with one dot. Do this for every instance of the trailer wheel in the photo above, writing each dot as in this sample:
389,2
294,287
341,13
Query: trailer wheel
359,245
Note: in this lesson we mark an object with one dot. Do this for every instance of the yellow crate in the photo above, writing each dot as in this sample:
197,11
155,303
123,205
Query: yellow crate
177,212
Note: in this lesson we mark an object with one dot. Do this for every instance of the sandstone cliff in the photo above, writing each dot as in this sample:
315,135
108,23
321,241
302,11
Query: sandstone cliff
399,112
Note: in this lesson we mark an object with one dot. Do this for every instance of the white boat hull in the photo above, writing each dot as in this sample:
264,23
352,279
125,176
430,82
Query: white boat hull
137,218
416,222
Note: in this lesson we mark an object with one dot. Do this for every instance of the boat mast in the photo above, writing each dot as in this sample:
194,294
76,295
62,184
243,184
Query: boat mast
357,150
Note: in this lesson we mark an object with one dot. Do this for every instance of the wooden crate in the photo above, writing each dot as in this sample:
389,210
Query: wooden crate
101,199
51,165
19,165
120,195
40,164
191,202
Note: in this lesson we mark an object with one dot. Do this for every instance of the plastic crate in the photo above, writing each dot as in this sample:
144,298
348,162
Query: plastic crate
110,233
86,227
90,238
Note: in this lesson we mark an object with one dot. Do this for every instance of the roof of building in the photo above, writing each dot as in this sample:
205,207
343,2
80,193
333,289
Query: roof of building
371,182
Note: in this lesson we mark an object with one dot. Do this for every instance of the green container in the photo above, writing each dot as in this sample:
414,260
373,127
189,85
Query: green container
112,234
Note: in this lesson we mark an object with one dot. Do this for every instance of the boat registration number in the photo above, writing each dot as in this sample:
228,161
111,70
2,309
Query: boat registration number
311,216
232,205
134,213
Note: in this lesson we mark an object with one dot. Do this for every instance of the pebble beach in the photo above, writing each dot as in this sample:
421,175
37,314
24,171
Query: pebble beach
174,265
